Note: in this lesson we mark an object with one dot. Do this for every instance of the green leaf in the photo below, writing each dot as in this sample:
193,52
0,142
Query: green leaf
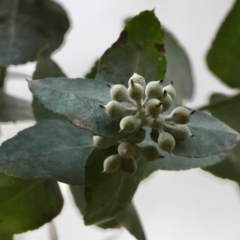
27,205
139,49
45,67
223,57
28,26
107,195
6,236
51,149
211,137
13,109
178,68
128,218
226,109
78,100
93,71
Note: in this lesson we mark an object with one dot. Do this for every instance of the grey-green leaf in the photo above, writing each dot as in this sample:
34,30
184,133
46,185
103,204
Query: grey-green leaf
229,168
51,149
78,100
128,218
178,68
139,48
27,205
177,163
226,108
27,26
45,67
223,56
107,195
13,109
211,137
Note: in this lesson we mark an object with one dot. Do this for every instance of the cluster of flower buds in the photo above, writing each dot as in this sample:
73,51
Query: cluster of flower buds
142,105
128,152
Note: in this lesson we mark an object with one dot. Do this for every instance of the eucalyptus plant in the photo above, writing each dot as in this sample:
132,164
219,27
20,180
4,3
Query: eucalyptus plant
106,132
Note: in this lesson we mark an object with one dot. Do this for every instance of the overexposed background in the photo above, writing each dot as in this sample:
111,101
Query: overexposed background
186,205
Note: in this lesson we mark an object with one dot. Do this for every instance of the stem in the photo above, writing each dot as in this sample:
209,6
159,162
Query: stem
3,71
216,104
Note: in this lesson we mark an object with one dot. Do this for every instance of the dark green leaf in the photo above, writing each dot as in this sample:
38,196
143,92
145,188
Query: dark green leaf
211,137
27,26
178,68
78,100
139,49
51,149
78,194
108,194
13,109
45,67
6,236
224,56
3,71
27,205
93,71
128,218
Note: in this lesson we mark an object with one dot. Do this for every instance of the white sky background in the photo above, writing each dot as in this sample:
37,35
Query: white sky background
187,205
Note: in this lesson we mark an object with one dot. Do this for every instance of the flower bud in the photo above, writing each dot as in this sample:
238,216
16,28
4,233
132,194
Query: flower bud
115,109
170,90
166,142
111,164
137,79
135,91
119,93
129,124
166,100
153,107
129,165
181,115
138,136
150,152
156,122
179,132
127,149
102,142
154,89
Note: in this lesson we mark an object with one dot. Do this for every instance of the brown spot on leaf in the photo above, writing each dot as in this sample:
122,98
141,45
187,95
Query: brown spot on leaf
159,47
87,194
123,39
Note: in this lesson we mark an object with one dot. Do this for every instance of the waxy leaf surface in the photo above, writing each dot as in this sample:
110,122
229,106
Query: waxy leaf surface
45,67
78,101
211,137
51,149
226,108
